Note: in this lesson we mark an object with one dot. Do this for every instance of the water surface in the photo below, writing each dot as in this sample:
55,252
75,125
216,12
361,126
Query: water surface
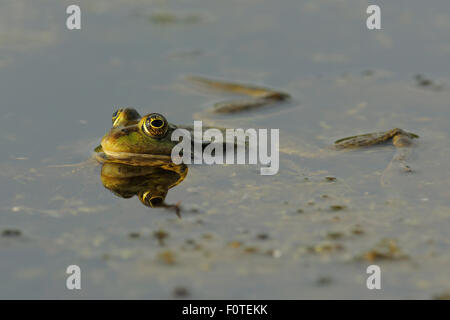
242,235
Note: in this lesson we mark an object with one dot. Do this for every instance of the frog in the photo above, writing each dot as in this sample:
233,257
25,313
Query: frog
141,141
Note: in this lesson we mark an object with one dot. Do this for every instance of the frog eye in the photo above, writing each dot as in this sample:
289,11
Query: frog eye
155,125
116,115
151,201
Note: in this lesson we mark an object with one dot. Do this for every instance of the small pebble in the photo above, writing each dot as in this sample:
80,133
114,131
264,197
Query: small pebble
324,280
337,207
335,235
180,292
275,253
160,235
234,244
134,235
167,257
262,236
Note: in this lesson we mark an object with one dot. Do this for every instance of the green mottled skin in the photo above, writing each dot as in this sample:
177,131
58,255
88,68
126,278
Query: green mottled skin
126,136
131,139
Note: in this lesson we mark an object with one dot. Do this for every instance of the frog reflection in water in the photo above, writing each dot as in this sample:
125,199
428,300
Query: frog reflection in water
149,183
146,141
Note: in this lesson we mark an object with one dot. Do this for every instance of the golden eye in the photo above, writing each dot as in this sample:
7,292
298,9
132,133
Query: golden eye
155,125
116,115
151,201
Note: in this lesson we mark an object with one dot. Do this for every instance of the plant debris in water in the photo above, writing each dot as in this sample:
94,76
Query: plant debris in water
337,207
257,96
335,235
324,248
134,235
235,244
324,281
181,292
386,249
167,256
161,235
262,236
357,230
10,233
423,82
167,18
442,296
